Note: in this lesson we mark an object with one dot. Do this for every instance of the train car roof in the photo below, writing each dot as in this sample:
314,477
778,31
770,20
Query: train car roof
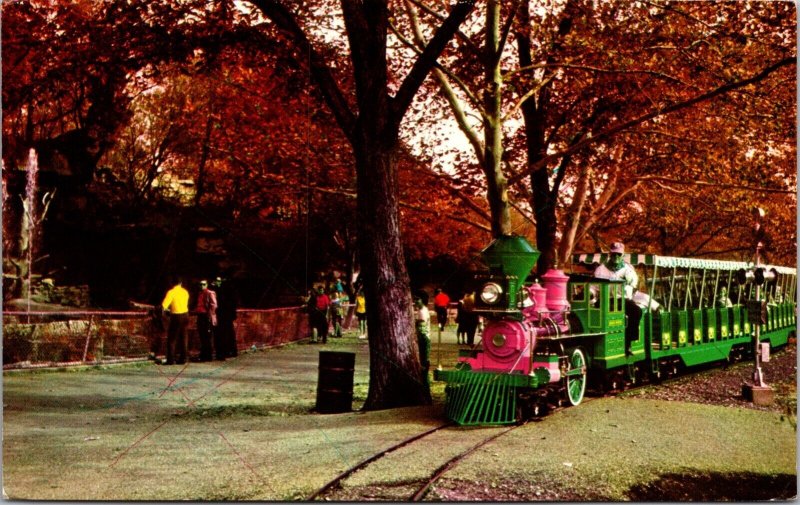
672,261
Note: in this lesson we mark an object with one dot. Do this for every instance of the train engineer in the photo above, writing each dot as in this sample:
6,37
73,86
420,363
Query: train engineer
617,269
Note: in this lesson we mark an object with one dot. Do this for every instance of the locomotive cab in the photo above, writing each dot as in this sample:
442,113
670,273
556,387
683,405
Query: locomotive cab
597,303
598,306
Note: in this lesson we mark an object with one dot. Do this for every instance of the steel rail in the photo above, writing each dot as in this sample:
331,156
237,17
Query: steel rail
373,458
443,469
439,472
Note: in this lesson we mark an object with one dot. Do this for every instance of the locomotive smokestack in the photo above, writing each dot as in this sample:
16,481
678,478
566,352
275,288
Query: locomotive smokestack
512,256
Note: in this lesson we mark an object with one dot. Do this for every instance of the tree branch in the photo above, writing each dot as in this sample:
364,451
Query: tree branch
450,187
515,178
527,95
427,59
507,26
319,69
598,70
446,89
657,178
466,40
417,208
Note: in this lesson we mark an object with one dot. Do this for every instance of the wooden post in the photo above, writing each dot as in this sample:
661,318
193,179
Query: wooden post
88,338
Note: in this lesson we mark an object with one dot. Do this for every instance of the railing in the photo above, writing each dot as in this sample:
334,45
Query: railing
40,339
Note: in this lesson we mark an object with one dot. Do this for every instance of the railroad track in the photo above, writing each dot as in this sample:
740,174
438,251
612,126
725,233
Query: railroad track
421,487
342,476
420,490
423,490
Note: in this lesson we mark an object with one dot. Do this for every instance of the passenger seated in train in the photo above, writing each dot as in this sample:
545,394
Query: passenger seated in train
777,298
723,300
617,269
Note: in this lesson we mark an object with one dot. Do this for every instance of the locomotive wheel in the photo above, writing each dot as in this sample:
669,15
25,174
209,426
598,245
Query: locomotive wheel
576,377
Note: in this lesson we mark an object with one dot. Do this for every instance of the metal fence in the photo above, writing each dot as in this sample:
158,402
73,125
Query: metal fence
41,339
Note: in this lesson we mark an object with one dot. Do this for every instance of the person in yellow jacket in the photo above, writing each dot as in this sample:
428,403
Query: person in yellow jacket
176,303
361,314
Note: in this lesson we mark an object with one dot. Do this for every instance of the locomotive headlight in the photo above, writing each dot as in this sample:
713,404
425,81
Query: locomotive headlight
491,293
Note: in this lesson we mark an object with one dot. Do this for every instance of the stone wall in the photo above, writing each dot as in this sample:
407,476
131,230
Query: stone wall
45,291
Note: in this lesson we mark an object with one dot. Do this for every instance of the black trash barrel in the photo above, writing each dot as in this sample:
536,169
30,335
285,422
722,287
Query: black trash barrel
335,382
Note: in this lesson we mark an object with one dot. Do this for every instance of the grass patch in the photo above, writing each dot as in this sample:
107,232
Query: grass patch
603,448
244,430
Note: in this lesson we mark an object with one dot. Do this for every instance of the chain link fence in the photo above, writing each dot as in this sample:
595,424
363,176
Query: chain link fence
41,339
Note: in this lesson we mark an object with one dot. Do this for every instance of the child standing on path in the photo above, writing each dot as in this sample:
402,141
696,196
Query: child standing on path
361,314
337,312
422,320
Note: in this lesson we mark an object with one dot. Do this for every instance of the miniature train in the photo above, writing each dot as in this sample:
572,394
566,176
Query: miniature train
543,344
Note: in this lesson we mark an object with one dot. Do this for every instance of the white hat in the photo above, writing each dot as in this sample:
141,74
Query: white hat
618,247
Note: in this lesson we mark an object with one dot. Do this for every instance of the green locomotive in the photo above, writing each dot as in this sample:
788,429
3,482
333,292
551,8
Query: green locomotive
543,343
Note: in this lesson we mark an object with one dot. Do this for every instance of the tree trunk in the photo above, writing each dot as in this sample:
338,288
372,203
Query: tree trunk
544,208
497,192
543,198
395,373
573,216
201,168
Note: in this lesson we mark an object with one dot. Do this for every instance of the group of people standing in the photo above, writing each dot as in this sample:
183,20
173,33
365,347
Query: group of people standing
327,311
215,310
466,320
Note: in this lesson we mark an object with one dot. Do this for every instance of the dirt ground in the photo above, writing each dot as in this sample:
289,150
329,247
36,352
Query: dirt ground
244,429
722,386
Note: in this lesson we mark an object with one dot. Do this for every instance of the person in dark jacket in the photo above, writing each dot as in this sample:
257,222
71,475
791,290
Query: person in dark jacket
467,321
225,335
319,307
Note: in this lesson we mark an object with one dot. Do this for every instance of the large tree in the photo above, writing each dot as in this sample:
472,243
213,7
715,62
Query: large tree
372,126
213,116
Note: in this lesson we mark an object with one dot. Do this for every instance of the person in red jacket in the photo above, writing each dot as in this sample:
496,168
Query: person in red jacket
319,315
440,303
206,310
